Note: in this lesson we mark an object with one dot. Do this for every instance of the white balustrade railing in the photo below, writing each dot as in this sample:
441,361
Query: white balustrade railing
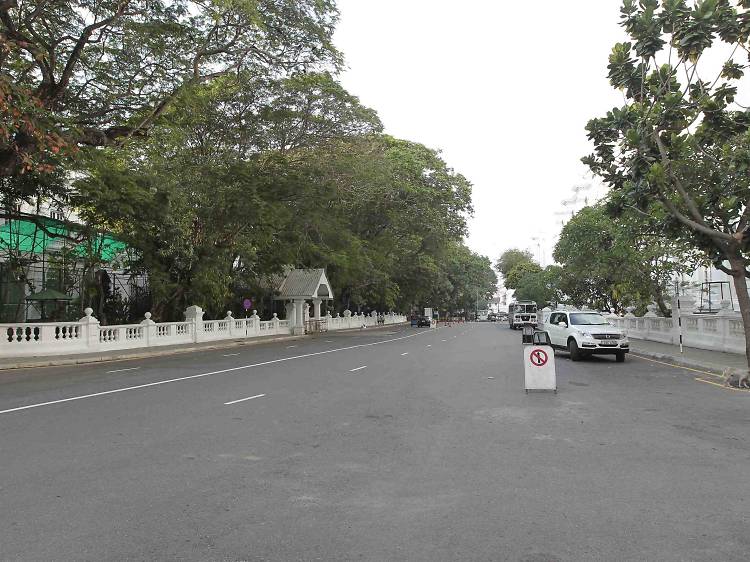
717,332
88,336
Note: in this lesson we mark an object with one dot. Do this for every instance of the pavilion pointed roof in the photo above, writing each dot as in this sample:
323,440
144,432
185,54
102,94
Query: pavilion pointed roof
304,284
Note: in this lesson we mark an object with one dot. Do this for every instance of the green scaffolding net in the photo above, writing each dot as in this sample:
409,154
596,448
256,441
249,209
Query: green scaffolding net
35,237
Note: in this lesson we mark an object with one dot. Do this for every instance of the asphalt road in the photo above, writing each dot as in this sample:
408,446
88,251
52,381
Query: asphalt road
401,444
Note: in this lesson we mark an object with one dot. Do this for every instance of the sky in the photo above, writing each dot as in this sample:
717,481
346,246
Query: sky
504,89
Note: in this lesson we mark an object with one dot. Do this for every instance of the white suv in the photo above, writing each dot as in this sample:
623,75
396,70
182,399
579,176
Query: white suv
584,333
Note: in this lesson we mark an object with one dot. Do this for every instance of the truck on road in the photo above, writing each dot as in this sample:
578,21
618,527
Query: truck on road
522,313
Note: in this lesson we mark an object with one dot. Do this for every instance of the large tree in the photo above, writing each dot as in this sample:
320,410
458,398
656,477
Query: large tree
614,262
509,259
97,72
206,207
680,145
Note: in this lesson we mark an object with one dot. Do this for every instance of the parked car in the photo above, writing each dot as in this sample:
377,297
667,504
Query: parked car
423,322
584,333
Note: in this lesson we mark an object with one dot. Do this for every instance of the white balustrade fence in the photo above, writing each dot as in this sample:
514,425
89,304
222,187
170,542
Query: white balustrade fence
715,333
88,336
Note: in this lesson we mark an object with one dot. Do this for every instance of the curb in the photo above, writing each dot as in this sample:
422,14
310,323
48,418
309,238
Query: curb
36,362
679,362
105,358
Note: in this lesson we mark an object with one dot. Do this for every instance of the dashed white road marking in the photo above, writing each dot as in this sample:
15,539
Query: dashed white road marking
429,345
121,370
407,353
231,354
358,368
290,346
244,399
210,374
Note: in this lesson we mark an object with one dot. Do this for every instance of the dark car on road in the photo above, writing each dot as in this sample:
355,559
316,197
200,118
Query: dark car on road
423,322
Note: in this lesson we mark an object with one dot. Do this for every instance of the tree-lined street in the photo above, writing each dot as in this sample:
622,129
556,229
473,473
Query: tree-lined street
395,444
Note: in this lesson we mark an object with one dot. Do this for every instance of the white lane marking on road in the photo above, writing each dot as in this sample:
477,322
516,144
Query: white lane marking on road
329,341
231,354
212,373
244,399
358,368
121,370
290,346
443,340
407,353
429,345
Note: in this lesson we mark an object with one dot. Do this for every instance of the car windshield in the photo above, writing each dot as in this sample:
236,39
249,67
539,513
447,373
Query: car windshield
588,319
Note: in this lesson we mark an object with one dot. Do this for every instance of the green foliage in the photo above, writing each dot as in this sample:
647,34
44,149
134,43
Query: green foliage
510,259
541,286
102,71
237,183
519,272
251,156
678,149
613,262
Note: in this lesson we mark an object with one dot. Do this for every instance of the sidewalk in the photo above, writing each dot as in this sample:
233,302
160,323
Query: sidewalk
712,361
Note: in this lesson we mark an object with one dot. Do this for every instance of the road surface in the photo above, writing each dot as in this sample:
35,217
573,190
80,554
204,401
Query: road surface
396,444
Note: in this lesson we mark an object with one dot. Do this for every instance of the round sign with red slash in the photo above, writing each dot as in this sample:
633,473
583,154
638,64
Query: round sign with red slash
539,357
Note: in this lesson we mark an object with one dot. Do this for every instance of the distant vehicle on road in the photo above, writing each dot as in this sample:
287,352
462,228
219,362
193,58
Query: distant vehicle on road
423,322
522,313
584,333
492,317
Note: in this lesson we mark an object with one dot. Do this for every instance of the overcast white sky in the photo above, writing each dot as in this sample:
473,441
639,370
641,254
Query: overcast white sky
503,88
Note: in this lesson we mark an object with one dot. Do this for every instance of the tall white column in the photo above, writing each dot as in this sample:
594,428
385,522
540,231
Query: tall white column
316,308
299,324
290,310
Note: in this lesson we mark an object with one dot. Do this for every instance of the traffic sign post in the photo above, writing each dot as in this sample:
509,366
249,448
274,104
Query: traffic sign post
247,304
539,363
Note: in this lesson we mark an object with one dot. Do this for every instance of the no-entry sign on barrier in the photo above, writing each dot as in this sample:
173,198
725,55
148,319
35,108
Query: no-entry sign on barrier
539,368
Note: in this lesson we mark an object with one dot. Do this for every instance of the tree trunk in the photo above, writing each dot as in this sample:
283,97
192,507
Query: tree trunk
666,312
740,285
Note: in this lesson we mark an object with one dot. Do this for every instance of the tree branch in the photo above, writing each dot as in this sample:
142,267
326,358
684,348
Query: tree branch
667,163
719,237
83,40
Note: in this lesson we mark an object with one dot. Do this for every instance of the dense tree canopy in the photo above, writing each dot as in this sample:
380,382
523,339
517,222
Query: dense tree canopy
97,72
510,259
611,263
235,183
214,139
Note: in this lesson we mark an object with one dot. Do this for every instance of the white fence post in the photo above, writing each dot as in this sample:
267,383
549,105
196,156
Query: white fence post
149,329
194,315
230,323
90,328
255,329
